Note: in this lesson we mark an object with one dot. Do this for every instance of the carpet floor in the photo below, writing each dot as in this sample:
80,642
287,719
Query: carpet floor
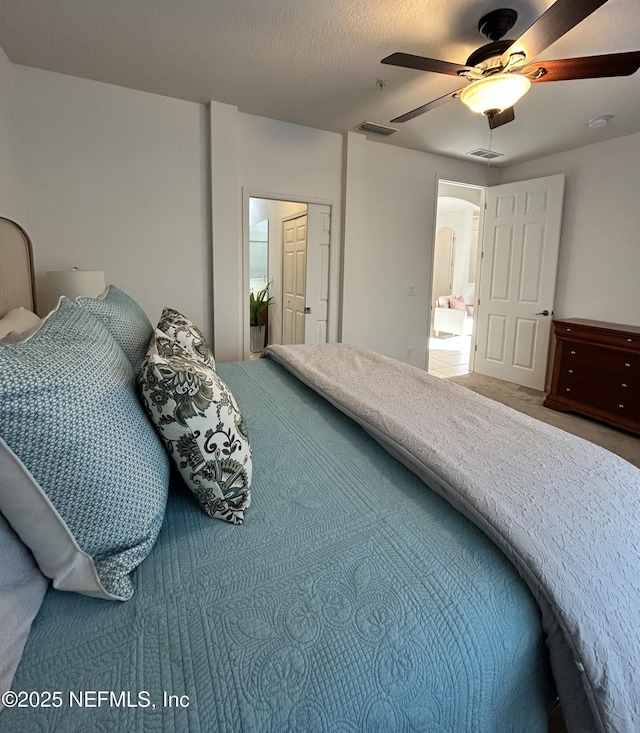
530,401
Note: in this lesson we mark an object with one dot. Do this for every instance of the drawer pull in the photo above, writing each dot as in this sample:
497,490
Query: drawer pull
568,330
627,364
570,371
623,385
573,352
621,407
629,340
567,389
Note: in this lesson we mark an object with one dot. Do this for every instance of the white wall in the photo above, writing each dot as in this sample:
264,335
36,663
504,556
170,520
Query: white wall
599,262
254,156
109,178
388,244
11,182
117,180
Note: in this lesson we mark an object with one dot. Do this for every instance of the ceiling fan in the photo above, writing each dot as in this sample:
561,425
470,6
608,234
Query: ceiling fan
502,71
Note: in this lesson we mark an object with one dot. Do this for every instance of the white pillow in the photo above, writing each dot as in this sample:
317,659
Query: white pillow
19,320
22,589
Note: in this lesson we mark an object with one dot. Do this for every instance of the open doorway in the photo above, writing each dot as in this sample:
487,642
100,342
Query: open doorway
455,273
288,252
510,310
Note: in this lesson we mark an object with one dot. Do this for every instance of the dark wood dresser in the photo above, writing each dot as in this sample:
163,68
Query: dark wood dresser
596,372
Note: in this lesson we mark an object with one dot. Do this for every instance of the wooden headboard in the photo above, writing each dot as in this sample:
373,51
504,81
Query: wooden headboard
17,286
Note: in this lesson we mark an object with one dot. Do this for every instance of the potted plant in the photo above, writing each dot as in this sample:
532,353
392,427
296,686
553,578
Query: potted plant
258,310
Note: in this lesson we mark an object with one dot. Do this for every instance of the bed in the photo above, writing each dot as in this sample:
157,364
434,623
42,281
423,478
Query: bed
339,583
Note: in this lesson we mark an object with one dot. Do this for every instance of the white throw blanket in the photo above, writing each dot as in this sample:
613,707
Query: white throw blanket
564,511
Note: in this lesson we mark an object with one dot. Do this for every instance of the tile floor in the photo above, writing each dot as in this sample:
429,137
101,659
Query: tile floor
449,355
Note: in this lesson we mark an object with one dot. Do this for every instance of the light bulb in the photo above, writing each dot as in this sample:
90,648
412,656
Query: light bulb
495,93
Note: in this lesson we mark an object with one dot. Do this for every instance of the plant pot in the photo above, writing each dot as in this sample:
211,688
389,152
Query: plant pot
257,339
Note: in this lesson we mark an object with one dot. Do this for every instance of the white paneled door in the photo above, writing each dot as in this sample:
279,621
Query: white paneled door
305,276
294,276
518,280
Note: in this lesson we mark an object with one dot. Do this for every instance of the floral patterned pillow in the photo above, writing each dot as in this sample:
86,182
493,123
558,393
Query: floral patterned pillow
187,334
201,425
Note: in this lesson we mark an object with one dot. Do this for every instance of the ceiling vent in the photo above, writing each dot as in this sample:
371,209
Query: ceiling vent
484,153
374,128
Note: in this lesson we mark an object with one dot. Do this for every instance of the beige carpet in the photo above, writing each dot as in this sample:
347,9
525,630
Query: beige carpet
530,401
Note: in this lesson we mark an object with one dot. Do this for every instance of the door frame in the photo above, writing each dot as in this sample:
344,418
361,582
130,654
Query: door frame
333,304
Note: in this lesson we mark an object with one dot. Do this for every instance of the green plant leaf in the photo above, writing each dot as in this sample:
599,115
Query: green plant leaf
258,304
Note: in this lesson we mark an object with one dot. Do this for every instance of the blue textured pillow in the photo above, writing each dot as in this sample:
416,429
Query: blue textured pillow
125,320
83,474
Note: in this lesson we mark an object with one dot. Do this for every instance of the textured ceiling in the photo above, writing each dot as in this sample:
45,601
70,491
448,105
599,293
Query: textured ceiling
318,63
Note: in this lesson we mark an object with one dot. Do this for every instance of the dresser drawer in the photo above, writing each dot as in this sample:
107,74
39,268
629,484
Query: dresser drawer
619,340
600,357
624,385
611,399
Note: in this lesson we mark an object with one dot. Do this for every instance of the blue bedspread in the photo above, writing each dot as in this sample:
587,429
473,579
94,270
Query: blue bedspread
563,510
351,599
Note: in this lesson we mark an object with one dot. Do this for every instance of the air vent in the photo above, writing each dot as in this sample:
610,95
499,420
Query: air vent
376,129
484,153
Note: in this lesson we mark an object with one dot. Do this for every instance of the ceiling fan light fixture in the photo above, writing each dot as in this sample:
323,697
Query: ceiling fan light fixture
495,93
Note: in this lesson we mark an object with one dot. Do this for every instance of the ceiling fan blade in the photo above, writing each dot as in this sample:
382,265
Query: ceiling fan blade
427,107
422,63
561,17
586,67
501,118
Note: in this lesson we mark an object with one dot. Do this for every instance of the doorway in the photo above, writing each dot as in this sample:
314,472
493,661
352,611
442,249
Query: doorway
294,263
511,312
455,264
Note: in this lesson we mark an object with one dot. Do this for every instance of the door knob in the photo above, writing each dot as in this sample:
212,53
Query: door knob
545,312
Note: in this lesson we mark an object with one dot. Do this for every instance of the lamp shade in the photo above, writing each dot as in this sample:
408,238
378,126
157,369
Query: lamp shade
73,283
495,93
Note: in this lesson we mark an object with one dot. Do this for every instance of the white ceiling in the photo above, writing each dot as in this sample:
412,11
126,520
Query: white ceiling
316,63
